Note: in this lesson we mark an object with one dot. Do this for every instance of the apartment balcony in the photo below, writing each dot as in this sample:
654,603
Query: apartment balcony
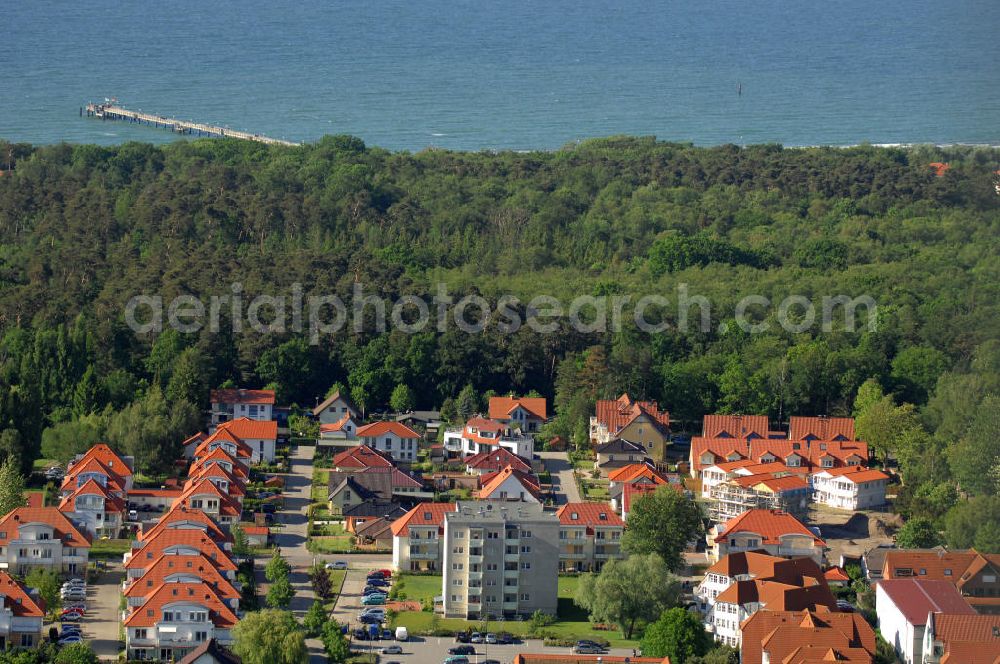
475,575
511,557
570,555
476,558
423,555
511,574
509,606
608,555
573,540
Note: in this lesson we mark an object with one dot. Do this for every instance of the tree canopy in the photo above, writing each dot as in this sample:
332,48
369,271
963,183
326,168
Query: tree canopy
663,522
270,637
628,592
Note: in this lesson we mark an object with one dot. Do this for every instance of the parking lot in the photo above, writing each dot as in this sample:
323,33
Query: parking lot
427,650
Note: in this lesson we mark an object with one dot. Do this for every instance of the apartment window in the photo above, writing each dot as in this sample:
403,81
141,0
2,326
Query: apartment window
923,572
454,598
525,549
458,549
200,636
168,616
456,582
525,597
525,533
525,565
491,567
140,633
459,534
493,534
458,566
26,640
562,534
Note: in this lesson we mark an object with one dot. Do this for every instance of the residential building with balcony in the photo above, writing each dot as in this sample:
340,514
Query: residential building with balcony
395,439
182,542
94,509
483,435
850,488
229,404
640,422
738,427
259,436
590,534
174,619
228,442
21,614
32,537
510,485
180,569
418,536
777,533
102,464
784,492
499,559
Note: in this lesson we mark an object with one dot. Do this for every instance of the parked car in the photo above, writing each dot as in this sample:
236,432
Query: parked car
73,594
505,638
457,660
462,650
492,639
375,610
378,582
69,630
587,649
489,661
374,600
361,634
476,638
70,639
373,591
391,650
267,508
337,564
462,637
371,619
72,609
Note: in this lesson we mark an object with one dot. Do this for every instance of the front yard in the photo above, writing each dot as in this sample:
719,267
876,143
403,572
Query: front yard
572,623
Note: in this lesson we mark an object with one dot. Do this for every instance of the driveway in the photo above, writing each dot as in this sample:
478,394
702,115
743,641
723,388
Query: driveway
432,649
100,625
563,483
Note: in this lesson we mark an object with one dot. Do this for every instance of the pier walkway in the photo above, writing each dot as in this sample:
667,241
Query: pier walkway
111,111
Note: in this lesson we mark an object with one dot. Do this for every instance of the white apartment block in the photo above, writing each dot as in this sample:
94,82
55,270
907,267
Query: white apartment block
850,488
500,560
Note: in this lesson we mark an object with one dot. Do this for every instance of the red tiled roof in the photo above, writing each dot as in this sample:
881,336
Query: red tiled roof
236,484
836,573
493,481
256,530
821,428
497,459
183,518
501,407
244,427
151,611
106,456
115,481
915,598
222,437
170,538
336,426
773,483
929,564
239,395
63,529
220,455
779,596
956,628
187,565
206,487
762,565
940,168
382,428
633,491
588,514
782,633
18,600
855,474
424,514
734,426
617,414
769,524
971,652
636,471
361,456
34,498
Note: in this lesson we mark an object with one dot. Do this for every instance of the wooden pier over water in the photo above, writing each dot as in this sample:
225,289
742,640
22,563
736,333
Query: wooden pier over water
112,111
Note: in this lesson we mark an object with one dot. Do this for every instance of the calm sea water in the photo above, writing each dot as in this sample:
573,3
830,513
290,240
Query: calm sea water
522,74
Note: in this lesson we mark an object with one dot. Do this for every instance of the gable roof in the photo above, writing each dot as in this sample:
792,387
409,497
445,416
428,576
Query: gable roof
223,436
214,651
18,599
771,525
373,482
496,458
936,563
821,428
62,528
617,414
92,465
500,408
361,456
202,594
157,544
240,395
338,425
855,474
375,429
112,503
244,427
635,471
330,399
620,446
590,514
634,490
762,565
375,508
181,517
492,482
424,514
915,598
375,529
220,455
957,628
106,456
214,470
734,426
780,596
186,565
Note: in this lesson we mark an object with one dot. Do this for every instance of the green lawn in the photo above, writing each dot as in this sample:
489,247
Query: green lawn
571,625
109,548
595,489
320,491
419,587
338,544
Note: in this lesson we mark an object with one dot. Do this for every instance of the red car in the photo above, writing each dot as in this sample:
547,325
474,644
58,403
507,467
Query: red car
74,610
386,573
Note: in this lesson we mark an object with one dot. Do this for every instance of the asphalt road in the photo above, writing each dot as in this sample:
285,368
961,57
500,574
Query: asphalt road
101,623
563,483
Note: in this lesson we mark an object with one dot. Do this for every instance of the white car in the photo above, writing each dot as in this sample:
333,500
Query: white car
73,594
72,638
391,650
339,564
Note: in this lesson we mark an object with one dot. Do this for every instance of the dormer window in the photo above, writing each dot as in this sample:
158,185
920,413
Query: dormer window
602,516
822,446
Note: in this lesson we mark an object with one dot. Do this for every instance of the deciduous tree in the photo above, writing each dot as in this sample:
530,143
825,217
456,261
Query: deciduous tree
269,637
663,522
614,596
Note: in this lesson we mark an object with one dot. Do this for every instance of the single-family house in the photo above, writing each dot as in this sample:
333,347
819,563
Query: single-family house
850,488
976,575
21,614
494,459
483,435
210,652
261,436
640,422
397,440
510,484
619,452
94,509
334,408
525,413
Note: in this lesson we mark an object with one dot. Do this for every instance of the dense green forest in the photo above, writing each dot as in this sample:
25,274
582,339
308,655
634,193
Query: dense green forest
85,228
